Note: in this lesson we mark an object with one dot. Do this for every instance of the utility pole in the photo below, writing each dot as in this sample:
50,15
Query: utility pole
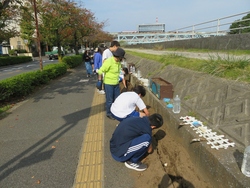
38,37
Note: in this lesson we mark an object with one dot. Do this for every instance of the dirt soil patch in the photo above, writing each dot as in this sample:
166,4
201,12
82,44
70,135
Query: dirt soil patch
169,166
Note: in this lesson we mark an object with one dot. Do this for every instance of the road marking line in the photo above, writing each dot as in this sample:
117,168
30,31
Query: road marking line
89,171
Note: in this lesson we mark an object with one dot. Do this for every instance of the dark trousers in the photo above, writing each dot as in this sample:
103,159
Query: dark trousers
138,147
111,93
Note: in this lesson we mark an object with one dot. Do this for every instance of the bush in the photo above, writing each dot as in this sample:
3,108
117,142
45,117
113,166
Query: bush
14,60
13,51
72,61
24,84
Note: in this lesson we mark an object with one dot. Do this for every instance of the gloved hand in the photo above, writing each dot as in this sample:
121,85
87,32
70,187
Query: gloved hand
99,85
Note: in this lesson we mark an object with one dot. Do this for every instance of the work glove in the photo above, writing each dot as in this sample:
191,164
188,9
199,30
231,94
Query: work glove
99,84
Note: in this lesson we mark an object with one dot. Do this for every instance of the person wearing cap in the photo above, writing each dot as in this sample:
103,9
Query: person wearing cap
108,52
111,68
132,139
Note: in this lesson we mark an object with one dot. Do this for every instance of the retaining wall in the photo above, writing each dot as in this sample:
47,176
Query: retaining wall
220,104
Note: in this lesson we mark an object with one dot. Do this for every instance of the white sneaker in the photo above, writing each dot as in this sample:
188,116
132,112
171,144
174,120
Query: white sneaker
136,166
101,92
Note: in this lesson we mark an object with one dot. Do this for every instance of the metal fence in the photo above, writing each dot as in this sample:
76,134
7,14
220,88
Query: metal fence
217,27
220,25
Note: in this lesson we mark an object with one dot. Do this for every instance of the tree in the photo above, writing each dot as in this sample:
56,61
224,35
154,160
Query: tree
9,10
62,23
71,25
27,23
241,26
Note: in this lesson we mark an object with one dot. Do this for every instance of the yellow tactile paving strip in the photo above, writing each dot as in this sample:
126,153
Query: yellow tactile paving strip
89,173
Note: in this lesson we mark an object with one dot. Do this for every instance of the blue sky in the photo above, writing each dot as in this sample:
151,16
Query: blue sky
127,15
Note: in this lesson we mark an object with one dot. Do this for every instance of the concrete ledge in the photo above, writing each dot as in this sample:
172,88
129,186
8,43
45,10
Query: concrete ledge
221,166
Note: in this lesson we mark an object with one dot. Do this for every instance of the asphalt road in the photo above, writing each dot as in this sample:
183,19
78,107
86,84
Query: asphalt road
13,70
41,138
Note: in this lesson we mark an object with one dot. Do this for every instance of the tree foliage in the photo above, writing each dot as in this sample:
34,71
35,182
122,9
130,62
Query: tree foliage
61,23
8,16
27,23
241,26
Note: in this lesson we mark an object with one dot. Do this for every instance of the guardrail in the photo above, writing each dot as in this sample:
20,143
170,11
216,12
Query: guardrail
216,26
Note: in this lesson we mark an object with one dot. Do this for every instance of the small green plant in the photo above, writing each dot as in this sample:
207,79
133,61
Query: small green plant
175,55
227,66
193,114
3,110
158,47
187,97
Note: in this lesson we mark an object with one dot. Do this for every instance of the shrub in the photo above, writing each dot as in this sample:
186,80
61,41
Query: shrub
24,84
72,61
14,60
219,66
13,51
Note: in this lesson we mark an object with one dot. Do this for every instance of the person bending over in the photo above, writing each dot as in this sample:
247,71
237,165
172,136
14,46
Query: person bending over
132,139
122,77
125,104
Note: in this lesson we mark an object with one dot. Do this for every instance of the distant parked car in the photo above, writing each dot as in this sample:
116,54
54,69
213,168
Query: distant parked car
54,55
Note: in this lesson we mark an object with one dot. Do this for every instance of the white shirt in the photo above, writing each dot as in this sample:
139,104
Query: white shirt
106,54
126,103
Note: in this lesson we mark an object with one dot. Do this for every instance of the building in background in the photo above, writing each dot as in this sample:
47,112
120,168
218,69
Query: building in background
4,48
18,43
151,28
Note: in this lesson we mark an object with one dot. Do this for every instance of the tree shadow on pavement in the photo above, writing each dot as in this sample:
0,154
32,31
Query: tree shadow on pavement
39,151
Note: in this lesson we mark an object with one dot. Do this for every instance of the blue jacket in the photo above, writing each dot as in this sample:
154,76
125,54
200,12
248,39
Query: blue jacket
97,60
126,131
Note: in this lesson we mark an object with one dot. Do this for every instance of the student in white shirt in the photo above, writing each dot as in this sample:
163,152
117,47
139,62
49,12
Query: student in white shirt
108,52
125,104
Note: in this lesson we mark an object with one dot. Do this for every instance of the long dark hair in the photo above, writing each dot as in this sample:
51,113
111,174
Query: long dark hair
99,50
125,69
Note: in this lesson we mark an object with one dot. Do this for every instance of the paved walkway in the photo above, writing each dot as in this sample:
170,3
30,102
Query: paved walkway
196,55
59,138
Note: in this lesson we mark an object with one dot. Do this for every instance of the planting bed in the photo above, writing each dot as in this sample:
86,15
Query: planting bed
169,165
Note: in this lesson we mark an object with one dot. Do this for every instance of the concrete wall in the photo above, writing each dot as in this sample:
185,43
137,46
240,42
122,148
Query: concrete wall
222,105
228,42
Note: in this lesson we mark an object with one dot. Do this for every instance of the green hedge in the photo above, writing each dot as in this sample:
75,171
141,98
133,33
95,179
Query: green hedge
72,61
4,61
13,51
24,84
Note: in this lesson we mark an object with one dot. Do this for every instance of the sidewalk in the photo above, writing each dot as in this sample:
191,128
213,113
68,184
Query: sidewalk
42,138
